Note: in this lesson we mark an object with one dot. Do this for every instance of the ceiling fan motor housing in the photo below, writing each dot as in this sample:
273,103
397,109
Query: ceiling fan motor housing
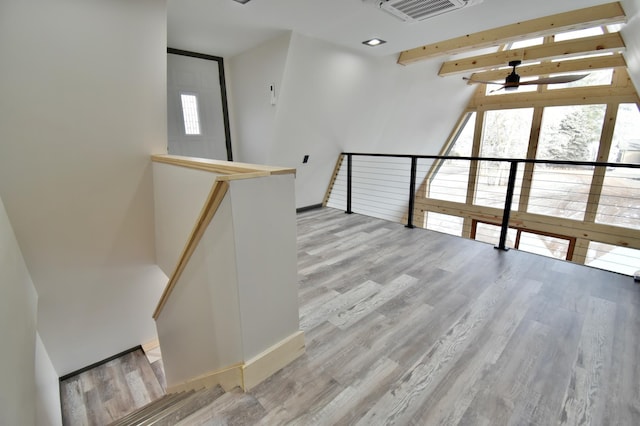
513,80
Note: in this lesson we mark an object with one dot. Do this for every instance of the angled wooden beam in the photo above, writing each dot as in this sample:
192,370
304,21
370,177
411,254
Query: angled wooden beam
564,49
605,14
575,65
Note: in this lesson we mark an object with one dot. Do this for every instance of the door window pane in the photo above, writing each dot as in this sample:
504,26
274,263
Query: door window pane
190,114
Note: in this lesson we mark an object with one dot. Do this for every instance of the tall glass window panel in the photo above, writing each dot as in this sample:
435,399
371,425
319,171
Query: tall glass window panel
593,78
451,177
506,135
620,198
544,245
569,133
623,260
489,233
444,223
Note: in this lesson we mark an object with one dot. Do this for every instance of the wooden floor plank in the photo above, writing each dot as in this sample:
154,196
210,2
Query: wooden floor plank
409,326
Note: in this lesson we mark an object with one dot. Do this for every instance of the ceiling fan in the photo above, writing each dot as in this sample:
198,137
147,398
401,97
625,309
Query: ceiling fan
512,81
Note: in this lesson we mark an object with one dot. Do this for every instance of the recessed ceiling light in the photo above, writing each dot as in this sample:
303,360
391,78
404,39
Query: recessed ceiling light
374,42
242,1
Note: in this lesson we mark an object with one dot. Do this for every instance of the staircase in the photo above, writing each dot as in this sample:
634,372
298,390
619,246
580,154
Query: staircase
171,408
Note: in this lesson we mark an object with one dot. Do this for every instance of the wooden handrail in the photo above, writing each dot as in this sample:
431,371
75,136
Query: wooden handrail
214,200
229,171
234,170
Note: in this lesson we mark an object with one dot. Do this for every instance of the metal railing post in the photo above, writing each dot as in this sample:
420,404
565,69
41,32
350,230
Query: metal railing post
349,169
412,191
507,206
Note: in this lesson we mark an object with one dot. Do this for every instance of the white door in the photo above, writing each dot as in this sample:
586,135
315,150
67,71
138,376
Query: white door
197,126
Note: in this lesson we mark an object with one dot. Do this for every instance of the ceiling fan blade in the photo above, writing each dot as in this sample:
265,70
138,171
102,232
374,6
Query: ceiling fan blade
555,80
479,81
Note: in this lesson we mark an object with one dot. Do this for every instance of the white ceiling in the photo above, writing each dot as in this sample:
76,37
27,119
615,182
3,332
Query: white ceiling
226,28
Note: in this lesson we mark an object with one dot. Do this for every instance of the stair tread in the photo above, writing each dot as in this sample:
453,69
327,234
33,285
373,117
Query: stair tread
244,408
142,413
173,414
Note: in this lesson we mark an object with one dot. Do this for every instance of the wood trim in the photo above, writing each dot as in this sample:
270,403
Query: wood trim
218,191
576,65
597,232
332,181
558,97
532,149
99,363
564,49
604,147
610,13
228,377
223,167
249,374
519,231
580,251
264,365
150,345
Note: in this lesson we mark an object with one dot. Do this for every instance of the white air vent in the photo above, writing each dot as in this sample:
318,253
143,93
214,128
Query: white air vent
418,10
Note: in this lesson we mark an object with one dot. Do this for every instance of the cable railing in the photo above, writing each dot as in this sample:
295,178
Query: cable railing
582,211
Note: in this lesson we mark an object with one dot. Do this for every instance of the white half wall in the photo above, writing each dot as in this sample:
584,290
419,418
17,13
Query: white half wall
264,222
18,304
179,195
83,106
202,312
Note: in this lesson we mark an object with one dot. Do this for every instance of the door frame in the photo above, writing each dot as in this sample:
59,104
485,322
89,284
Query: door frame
223,91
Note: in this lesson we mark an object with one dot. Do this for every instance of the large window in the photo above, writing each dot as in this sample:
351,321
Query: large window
620,199
568,133
450,179
565,209
506,135
550,245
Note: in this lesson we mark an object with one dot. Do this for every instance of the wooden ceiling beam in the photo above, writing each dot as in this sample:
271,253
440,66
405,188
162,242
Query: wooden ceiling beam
575,65
557,97
564,49
605,14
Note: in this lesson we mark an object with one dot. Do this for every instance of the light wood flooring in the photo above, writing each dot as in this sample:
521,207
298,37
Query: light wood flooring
111,391
408,326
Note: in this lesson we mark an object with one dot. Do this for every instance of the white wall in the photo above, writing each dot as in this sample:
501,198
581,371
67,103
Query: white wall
249,76
83,106
179,195
18,304
238,294
202,313
48,409
264,223
631,34
333,100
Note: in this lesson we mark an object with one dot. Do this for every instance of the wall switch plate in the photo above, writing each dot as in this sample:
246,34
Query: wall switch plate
272,89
